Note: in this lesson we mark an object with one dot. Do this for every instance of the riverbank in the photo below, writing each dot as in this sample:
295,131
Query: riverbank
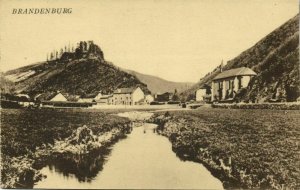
272,106
30,138
243,148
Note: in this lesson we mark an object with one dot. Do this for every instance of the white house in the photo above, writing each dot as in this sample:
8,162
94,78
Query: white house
225,85
91,97
200,93
59,97
98,96
127,96
204,93
149,98
105,99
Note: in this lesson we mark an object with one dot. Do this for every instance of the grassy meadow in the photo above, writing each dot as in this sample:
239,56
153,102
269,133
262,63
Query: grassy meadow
23,131
244,148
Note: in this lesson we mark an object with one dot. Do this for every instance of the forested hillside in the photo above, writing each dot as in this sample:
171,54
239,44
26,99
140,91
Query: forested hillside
79,72
275,59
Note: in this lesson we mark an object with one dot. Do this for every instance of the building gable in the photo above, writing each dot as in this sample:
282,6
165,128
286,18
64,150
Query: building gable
59,97
137,95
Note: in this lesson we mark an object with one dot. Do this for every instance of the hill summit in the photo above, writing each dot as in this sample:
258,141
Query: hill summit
81,70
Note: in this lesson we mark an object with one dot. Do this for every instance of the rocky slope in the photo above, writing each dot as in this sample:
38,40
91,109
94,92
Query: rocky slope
79,72
275,59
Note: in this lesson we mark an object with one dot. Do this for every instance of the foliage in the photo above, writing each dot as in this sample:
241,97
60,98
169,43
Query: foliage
275,59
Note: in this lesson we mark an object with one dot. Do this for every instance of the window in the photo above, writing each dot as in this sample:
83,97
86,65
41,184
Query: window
240,82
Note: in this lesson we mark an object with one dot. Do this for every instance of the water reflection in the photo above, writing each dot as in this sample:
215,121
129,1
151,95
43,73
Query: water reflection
84,167
144,160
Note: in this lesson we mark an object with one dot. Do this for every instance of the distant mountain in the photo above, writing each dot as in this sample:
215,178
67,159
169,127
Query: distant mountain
159,85
82,71
275,59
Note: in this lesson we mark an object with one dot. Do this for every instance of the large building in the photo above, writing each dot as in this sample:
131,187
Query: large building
127,96
225,85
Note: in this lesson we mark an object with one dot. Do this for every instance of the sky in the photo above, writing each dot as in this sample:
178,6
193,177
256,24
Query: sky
178,40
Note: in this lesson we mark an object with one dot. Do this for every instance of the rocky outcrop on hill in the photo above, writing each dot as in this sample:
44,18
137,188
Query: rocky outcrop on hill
83,71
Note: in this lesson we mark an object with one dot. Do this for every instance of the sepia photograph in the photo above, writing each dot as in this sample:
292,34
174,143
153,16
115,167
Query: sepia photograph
149,94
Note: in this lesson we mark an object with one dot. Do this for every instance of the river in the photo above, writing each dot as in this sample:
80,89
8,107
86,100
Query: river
144,160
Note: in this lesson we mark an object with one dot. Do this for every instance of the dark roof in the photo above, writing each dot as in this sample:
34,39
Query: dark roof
242,71
105,96
205,86
165,94
124,90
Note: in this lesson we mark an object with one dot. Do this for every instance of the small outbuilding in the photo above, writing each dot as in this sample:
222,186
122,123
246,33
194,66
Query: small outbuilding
58,97
94,97
149,98
203,93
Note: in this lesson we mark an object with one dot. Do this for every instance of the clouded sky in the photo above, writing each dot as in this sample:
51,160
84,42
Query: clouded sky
174,39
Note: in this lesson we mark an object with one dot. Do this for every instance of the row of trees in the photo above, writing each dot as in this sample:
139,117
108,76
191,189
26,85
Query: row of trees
83,47
57,54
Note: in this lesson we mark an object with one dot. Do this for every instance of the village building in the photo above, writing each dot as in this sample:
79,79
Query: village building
200,93
58,97
225,85
149,98
127,96
164,97
90,97
105,100
73,98
203,94
51,97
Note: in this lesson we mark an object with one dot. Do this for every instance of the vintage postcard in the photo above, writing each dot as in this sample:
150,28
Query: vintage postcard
150,94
